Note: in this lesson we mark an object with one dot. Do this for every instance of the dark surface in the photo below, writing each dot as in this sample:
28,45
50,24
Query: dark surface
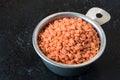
19,61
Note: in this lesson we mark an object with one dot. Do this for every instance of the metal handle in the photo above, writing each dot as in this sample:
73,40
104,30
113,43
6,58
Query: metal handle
99,15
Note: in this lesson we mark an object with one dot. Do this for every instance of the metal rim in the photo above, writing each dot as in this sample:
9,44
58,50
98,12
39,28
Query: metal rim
74,14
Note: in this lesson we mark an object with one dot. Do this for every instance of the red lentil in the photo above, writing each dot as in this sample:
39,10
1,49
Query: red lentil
69,41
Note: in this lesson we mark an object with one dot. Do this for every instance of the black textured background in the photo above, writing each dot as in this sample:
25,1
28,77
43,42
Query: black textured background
19,61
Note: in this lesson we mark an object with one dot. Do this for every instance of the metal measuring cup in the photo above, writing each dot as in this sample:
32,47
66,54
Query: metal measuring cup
90,17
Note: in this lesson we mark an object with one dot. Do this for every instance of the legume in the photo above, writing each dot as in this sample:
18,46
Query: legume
69,41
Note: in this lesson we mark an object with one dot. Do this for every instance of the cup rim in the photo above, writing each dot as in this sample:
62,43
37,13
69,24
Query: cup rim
79,15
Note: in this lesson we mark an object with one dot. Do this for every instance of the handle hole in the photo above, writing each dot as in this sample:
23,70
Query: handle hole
99,15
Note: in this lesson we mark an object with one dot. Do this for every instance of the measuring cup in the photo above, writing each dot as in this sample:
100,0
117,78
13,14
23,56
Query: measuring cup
95,16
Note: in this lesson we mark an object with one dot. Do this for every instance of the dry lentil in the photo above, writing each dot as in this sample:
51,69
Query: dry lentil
69,41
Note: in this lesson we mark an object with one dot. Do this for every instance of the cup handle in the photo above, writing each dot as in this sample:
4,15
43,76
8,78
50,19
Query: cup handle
99,15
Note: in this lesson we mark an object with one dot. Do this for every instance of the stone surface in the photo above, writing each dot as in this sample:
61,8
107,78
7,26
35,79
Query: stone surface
19,61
